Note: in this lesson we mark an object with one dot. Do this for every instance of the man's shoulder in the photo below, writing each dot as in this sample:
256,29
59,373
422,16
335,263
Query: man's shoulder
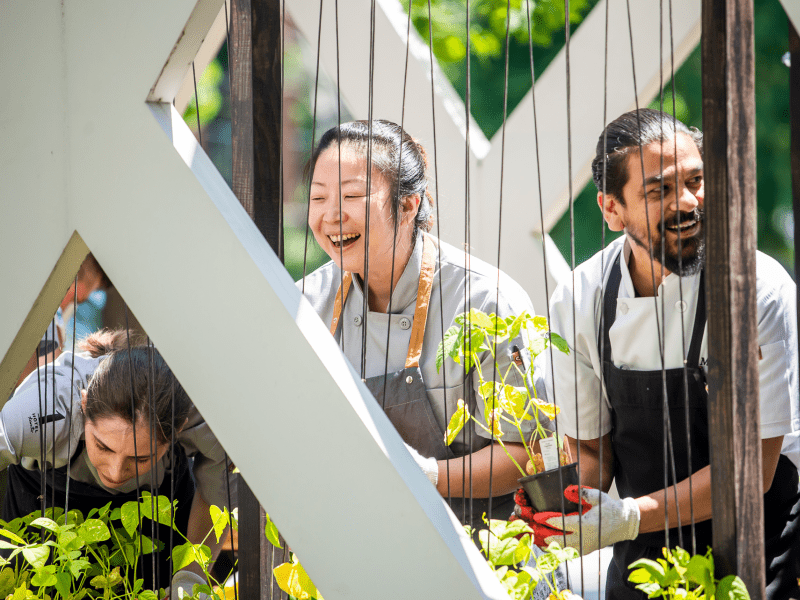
588,277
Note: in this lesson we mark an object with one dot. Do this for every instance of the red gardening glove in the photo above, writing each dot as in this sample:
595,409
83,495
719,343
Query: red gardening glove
538,521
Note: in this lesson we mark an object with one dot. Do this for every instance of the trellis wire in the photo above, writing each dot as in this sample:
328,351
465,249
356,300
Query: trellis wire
53,423
339,162
438,229
71,396
41,426
467,263
133,412
567,32
499,238
152,452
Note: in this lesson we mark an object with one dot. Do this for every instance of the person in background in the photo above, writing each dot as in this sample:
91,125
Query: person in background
90,278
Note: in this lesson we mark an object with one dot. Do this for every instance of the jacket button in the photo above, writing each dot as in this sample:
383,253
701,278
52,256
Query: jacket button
409,379
357,320
623,308
405,323
681,305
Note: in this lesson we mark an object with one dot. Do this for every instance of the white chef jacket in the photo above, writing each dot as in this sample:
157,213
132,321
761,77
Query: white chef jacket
20,441
634,342
482,286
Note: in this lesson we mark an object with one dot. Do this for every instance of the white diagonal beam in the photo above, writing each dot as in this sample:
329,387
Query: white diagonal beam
792,8
313,444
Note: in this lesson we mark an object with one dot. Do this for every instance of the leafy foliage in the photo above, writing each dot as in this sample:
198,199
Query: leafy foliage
681,576
58,557
476,333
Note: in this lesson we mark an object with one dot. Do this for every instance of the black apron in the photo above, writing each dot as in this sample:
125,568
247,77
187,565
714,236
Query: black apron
637,438
405,401
24,490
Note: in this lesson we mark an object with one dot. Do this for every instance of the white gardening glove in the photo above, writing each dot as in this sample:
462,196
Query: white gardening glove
182,584
430,466
620,521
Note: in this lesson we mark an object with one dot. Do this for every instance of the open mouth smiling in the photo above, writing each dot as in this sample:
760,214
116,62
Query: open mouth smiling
687,226
345,240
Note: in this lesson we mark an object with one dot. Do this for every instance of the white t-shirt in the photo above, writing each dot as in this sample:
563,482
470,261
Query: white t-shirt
634,342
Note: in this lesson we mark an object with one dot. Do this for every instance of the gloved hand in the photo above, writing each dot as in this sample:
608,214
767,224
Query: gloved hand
543,533
182,584
620,520
430,466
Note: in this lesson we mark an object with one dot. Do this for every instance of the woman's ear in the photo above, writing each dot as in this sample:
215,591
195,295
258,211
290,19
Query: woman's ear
410,205
612,211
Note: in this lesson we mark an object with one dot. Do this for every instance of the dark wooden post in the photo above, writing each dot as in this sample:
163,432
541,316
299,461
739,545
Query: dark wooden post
794,117
730,211
256,106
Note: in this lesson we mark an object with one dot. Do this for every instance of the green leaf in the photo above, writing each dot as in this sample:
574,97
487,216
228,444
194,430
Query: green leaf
700,571
77,567
219,517
130,516
449,345
535,574
480,319
63,583
8,582
500,552
732,588
652,589
187,554
507,529
457,422
148,595
12,536
36,555
164,509
271,531
46,523
654,569
293,579
562,554
540,323
513,401
560,343
94,530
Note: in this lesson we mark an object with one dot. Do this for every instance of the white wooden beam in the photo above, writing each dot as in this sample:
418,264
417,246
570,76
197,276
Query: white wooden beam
313,444
792,8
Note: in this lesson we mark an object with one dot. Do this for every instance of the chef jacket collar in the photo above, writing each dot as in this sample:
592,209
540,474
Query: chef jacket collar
405,292
669,285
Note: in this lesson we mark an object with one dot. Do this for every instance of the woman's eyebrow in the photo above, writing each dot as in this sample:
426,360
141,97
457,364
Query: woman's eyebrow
107,447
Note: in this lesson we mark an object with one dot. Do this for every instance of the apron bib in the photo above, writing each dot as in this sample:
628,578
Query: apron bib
24,490
637,437
404,398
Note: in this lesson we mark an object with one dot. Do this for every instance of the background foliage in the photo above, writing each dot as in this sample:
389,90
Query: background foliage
487,43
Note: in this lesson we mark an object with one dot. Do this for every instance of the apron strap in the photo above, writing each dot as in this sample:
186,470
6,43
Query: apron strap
423,301
693,358
339,302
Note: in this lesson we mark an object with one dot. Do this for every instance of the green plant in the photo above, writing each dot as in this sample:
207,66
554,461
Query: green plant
475,333
97,556
680,575
508,548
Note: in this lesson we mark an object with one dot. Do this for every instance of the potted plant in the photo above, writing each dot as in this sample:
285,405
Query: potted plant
549,469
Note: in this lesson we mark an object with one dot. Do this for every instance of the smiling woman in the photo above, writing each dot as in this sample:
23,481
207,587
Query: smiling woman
104,435
415,285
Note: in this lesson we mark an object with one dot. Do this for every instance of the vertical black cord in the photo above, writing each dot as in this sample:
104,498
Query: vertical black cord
499,238
43,427
172,461
649,238
313,141
339,162
438,230
572,265
365,302
152,452
197,105
602,299
135,445
42,489
53,424
71,400
230,536
467,266
400,143
680,292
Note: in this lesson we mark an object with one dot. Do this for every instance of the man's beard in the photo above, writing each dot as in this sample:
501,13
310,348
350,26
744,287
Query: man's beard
686,266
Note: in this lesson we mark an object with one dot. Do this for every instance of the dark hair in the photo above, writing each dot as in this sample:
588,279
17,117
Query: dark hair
412,177
623,137
109,391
